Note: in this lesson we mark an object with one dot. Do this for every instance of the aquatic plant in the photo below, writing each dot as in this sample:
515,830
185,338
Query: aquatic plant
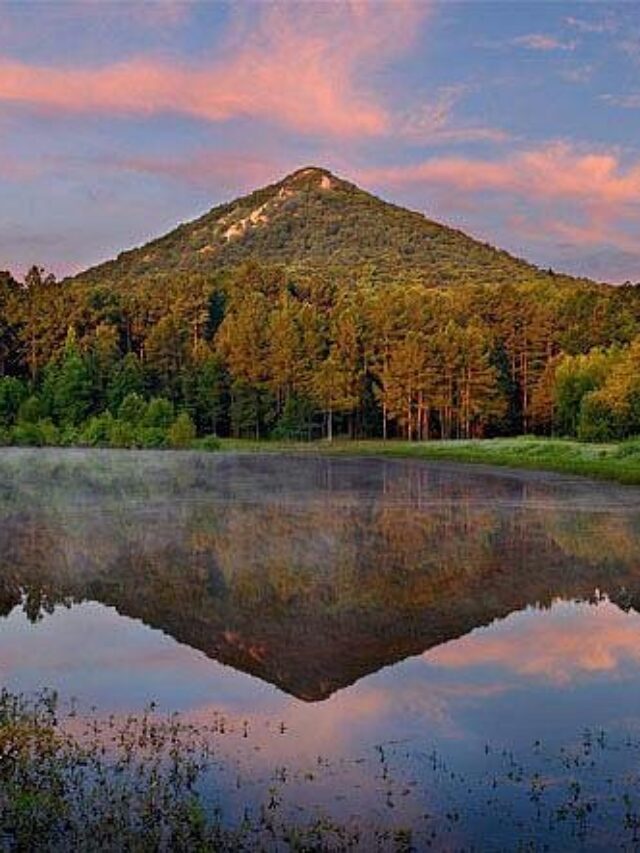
150,782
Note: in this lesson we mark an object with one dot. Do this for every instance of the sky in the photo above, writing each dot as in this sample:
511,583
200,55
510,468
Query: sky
516,121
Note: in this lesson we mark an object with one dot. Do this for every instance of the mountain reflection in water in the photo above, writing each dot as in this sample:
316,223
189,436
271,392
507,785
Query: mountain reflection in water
313,572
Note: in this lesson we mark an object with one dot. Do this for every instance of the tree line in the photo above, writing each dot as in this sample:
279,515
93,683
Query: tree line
267,351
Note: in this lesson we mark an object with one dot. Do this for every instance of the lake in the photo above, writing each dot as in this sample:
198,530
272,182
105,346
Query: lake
395,644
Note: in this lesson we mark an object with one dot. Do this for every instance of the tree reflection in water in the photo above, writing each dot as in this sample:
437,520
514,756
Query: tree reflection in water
309,573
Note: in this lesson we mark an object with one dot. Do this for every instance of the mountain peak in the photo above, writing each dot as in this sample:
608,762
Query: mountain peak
312,177
312,219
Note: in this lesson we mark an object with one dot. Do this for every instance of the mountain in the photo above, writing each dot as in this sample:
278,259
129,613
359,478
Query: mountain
312,219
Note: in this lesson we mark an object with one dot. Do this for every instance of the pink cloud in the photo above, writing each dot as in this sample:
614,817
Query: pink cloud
558,645
600,197
299,66
592,233
555,171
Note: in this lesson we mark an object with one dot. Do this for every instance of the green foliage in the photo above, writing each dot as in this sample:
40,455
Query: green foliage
209,442
122,435
69,385
245,410
97,431
575,378
51,435
609,407
69,436
182,432
296,420
127,378
106,431
133,409
310,308
309,221
216,312
597,421
40,434
31,410
203,389
159,414
152,438
13,393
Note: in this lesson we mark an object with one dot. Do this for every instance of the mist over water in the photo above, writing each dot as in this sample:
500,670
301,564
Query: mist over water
380,625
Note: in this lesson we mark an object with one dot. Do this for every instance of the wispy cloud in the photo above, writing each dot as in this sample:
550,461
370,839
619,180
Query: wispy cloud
556,170
631,47
298,65
540,41
579,74
630,101
582,198
562,645
434,122
606,24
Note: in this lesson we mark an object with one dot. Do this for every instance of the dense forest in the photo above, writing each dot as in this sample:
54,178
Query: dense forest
429,335
258,352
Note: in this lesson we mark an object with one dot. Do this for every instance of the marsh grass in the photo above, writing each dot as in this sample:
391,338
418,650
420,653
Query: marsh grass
619,462
72,782
82,783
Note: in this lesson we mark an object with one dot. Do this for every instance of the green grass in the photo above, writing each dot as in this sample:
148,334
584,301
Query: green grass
618,462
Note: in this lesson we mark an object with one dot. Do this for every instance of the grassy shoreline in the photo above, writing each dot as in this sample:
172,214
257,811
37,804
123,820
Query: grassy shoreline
617,462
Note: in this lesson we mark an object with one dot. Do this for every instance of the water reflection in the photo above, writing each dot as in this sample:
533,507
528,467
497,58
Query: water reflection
311,573
278,591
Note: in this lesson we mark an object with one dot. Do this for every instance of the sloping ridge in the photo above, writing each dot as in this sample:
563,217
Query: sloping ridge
312,219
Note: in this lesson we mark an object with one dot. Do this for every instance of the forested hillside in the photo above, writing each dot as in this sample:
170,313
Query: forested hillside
313,220
311,308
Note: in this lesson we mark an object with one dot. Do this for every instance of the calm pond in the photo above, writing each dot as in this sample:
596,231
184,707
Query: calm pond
396,644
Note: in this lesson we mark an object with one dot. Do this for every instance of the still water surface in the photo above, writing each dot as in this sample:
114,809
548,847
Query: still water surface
451,649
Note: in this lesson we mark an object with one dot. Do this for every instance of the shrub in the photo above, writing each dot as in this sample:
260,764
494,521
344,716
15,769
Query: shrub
631,447
152,438
160,413
96,432
133,409
27,435
295,420
182,431
69,436
31,410
49,432
598,421
122,435
209,442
